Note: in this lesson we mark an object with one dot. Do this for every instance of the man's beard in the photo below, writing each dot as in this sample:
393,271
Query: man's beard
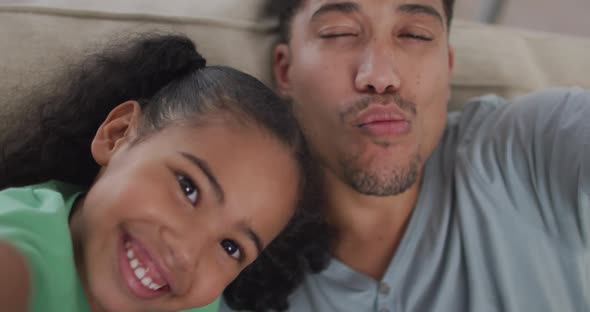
369,181
374,183
380,183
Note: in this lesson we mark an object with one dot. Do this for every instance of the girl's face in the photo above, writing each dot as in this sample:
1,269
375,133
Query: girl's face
173,218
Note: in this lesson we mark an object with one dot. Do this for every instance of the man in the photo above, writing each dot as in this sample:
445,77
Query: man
486,210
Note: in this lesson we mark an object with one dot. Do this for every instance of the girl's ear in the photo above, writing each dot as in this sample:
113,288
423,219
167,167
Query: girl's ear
117,130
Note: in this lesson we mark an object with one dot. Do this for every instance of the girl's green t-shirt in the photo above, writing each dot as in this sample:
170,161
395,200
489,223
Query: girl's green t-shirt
34,219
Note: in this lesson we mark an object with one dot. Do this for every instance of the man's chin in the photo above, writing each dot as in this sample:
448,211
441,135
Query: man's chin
383,181
383,187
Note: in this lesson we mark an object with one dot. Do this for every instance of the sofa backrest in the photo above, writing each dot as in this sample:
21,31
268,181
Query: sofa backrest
37,36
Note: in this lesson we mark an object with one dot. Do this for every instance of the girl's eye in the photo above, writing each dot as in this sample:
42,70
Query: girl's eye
232,249
188,188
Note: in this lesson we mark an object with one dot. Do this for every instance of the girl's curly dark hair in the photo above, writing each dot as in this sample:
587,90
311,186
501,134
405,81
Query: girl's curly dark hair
56,122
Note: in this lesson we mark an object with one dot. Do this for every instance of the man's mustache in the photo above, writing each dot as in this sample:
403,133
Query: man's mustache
384,99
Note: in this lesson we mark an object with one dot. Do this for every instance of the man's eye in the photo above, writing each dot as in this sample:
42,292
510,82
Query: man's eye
188,188
336,35
416,37
232,249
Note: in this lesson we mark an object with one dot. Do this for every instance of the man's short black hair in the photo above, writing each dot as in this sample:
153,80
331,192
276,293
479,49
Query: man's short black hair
284,10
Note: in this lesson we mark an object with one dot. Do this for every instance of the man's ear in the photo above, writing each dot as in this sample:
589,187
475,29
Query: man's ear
281,65
451,59
118,129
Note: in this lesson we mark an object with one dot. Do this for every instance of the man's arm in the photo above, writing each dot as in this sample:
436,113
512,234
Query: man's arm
538,147
14,279
560,155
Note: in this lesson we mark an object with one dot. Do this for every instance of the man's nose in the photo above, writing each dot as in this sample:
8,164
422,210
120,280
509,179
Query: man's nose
377,71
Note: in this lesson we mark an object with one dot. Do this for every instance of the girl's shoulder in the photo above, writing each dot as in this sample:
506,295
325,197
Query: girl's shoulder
37,216
45,198
34,219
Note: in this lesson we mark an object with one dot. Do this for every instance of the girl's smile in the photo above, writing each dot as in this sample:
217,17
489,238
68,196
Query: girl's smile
142,271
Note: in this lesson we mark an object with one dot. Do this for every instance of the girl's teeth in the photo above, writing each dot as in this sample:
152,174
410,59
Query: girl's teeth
140,273
154,286
146,281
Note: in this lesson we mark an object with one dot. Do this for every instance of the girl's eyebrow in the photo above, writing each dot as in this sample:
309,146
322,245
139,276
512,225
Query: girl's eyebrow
206,169
252,236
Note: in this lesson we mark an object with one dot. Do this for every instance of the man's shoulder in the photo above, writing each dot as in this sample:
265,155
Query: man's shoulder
537,104
491,118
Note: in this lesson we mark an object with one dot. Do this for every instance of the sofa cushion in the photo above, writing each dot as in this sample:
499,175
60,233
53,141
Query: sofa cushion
511,62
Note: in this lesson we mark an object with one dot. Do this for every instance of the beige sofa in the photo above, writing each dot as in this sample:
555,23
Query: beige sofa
36,36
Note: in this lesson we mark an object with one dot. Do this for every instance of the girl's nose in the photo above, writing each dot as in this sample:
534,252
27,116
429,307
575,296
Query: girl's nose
182,257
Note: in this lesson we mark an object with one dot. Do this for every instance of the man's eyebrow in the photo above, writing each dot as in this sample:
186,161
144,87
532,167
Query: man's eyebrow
343,7
420,9
206,169
252,236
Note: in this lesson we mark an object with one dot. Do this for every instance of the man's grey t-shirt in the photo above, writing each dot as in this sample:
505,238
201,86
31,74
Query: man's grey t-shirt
502,222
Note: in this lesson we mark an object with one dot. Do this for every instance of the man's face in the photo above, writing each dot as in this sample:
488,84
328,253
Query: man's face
370,82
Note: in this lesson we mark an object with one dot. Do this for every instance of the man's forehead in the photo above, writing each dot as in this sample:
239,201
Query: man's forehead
314,5
312,10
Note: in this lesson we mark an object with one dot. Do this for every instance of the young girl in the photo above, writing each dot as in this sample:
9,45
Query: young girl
143,181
